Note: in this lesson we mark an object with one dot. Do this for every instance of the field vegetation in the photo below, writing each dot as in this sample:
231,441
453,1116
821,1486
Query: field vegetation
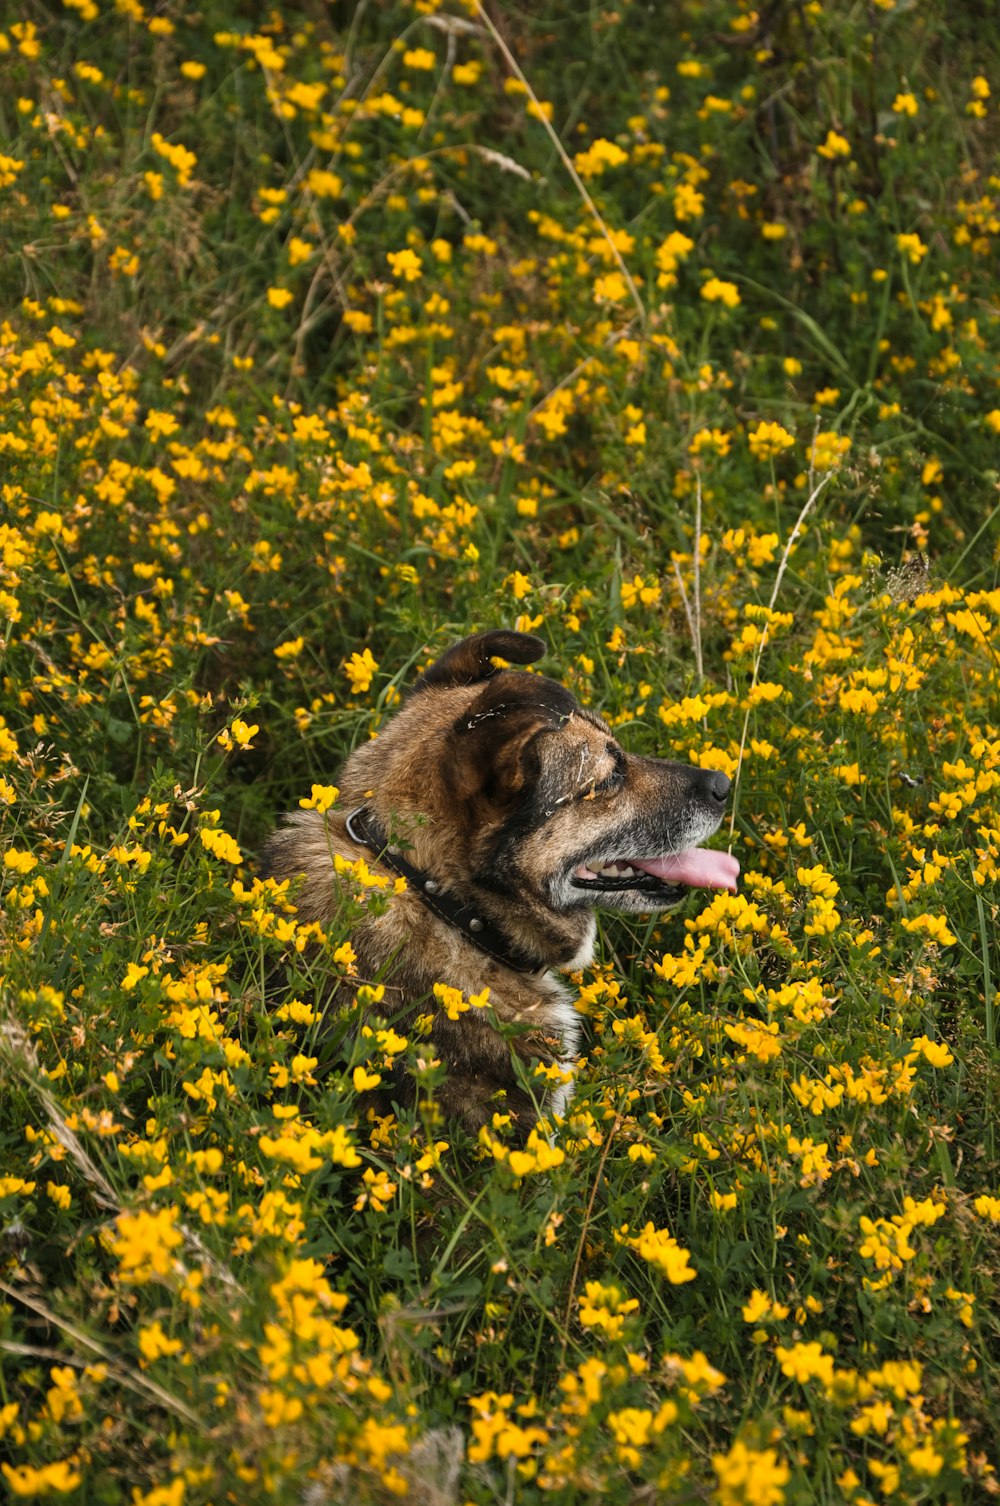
329,333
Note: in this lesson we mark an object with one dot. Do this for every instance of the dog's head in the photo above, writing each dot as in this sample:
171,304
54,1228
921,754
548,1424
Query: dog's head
501,780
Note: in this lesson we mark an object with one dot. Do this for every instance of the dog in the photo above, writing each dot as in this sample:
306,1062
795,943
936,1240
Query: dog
513,813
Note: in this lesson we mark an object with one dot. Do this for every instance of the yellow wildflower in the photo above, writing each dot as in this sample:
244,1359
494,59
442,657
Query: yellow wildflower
717,291
750,1477
834,146
768,440
359,669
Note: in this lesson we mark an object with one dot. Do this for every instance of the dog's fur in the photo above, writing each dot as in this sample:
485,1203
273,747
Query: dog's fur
508,793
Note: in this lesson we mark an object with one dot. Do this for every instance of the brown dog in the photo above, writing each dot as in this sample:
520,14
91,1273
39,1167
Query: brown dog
512,813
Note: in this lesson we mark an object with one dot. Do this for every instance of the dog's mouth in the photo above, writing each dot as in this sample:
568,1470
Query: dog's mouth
694,868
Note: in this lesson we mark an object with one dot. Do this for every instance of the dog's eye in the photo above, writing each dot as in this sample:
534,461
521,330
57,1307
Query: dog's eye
612,782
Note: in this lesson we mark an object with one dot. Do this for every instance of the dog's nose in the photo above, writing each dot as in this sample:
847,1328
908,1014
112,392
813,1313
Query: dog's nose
715,785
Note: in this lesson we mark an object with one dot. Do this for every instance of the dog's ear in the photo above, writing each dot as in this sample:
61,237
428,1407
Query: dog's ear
494,745
470,661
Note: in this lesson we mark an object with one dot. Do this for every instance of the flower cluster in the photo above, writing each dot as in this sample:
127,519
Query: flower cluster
321,344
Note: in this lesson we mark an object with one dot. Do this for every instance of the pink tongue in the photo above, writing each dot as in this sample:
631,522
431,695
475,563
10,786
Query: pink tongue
699,867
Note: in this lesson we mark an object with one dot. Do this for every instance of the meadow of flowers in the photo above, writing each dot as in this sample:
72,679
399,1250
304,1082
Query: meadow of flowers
330,333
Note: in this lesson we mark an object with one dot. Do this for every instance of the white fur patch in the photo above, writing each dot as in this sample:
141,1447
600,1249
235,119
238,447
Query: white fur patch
585,955
563,1017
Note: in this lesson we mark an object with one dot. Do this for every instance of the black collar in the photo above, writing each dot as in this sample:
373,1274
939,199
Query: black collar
363,828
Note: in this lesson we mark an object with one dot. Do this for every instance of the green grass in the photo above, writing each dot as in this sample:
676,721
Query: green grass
318,342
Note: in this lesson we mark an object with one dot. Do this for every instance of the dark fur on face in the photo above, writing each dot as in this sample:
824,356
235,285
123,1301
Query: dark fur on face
511,797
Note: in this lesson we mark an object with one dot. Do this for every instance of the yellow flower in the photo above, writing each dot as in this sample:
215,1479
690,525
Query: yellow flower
467,73
243,734
359,669
324,184
757,1307
304,1148
496,1433
934,927
938,1054
834,146
689,204
659,1248
538,1155
19,861
364,1080
768,440
238,735
805,1362
606,1308
636,590
123,261
279,298
305,96
717,291
828,449
750,1477
710,439
181,160
60,1478
886,1243
144,1243
452,1000
610,288
160,1495
59,1193
927,1211
320,798
912,248
220,844
161,425
905,104
478,242
762,1042
419,58
9,1185
405,264
602,154
673,250
154,1343
823,917
632,1425
818,881
291,649
299,250
761,1306
692,708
